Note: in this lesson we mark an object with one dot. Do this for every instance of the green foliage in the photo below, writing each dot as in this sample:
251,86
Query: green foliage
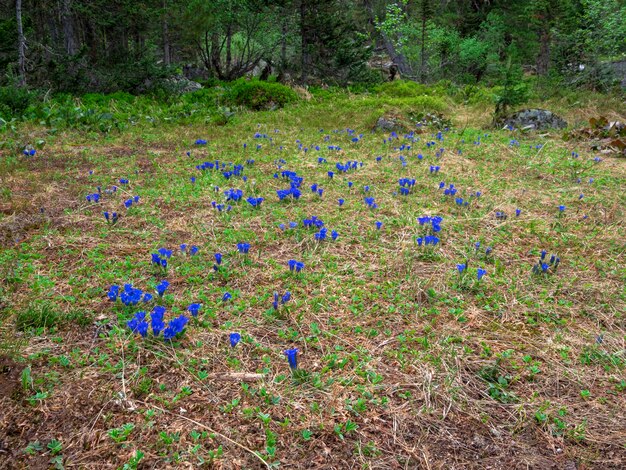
14,101
402,89
258,95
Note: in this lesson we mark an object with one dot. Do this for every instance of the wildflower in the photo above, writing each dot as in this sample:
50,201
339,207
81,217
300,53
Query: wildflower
147,297
282,227
123,181
201,142
156,317
292,357
561,208
294,265
488,251
255,201
243,247
164,252
275,303
331,174
518,212
218,258
174,327
334,235
162,287
227,296
285,298
183,247
193,250
379,224
234,339
350,184
480,273
193,179
194,309
113,293
543,254
461,268
293,224
340,201
137,324
366,188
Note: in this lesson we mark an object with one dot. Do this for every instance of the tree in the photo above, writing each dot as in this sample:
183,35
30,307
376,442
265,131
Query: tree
21,44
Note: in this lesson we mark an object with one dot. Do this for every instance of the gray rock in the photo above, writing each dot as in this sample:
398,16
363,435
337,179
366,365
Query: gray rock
535,119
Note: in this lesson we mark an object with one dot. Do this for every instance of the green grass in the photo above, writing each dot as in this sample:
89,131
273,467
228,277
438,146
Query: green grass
401,359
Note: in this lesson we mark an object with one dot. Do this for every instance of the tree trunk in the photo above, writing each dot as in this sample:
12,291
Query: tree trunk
396,57
229,56
543,59
423,50
167,58
21,44
283,47
305,44
69,40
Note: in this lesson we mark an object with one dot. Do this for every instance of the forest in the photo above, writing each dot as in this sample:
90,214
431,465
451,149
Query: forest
81,46
330,235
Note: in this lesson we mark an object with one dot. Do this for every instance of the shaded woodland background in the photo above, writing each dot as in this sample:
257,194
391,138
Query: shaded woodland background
81,46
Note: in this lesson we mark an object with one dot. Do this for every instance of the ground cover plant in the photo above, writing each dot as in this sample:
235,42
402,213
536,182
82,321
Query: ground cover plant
292,288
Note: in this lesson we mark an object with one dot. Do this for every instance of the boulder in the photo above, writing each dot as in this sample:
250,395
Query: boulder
533,119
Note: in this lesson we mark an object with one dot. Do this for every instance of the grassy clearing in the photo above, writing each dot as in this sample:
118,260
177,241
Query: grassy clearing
404,361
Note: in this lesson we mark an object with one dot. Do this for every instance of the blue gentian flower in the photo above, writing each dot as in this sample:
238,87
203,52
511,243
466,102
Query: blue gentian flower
285,298
350,184
164,252
156,317
174,327
340,201
183,247
518,212
275,303
366,188
480,273
294,265
123,181
193,180
461,267
255,201
331,174
561,208
218,258
243,247
128,203
292,357
379,224
334,235
293,224
201,142
227,296
162,287
543,254
113,293
193,250
234,339
194,309
488,251
282,227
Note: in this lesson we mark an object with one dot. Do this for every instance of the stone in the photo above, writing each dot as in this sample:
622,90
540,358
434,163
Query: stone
533,119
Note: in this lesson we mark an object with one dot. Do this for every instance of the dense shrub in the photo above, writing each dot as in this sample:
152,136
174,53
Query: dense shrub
257,95
402,89
14,101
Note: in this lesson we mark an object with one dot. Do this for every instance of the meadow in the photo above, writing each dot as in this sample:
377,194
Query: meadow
292,288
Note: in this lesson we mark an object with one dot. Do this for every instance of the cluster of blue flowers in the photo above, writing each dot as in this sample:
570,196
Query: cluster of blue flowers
255,201
546,266
283,299
139,324
243,247
111,218
129,202
294,265
128,295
